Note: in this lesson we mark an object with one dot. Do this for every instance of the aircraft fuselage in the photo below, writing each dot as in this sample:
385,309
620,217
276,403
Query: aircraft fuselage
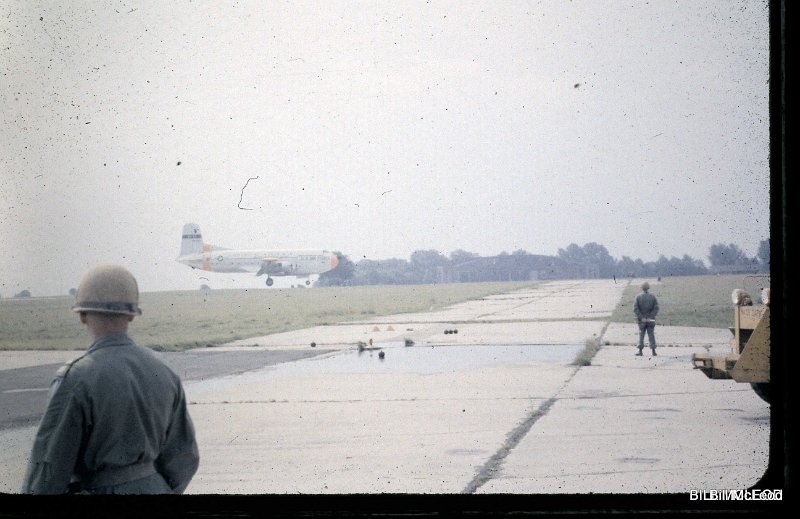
271,262
301,263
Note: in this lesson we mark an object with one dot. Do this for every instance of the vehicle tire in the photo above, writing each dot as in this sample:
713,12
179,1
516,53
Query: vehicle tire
269,282
762,390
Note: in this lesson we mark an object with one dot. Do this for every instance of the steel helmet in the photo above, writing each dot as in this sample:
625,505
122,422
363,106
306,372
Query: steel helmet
645,286
108,289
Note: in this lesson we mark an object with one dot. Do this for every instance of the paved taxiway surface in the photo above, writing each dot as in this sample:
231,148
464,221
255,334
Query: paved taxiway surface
24,388
494,408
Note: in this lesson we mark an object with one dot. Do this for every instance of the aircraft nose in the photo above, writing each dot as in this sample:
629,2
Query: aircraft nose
334,261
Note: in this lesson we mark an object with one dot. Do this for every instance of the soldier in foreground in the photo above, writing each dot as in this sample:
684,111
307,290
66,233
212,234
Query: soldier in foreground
645,307
116,421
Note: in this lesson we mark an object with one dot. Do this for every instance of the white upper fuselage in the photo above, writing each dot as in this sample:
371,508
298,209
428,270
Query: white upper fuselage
278,262
200,255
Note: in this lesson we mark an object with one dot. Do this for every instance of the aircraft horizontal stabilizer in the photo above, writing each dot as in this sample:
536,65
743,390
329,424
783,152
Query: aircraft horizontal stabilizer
209,248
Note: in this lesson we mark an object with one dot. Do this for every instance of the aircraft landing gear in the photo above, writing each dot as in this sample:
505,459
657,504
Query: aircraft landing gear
269,281
308,282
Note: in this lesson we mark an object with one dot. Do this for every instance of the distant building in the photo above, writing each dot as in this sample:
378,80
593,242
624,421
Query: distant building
516,267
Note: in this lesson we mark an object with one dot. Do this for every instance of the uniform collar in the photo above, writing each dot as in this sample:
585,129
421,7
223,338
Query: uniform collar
112,339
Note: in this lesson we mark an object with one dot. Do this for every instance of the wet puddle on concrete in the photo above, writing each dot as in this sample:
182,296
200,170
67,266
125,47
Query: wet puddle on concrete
398,358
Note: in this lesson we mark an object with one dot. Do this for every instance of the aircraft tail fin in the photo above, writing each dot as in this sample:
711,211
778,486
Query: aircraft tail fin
191,240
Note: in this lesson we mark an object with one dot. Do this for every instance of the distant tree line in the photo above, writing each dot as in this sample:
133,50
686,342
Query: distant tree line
425,266
22,294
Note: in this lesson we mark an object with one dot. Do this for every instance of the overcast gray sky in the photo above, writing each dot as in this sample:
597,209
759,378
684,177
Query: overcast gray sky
376,128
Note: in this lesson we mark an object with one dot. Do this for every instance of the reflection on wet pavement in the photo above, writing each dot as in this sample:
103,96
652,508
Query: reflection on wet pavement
430,359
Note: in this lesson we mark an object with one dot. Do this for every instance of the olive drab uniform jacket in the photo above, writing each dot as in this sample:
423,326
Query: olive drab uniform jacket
116,422
645,306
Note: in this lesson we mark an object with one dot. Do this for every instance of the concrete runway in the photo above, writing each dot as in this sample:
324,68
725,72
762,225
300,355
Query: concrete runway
24,386
494,408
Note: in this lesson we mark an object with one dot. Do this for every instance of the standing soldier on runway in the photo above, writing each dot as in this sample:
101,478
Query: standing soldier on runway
645,307
116,421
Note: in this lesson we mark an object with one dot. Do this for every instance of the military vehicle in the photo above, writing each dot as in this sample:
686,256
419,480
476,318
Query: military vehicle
748,360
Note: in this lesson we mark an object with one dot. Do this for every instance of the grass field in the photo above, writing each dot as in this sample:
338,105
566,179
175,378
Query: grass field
174,321
703,301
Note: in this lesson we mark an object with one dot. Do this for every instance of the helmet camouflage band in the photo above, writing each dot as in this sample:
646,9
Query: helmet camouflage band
108,289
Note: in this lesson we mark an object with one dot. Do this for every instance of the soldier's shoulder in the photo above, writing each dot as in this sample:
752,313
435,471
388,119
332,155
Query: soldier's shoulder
67,367
156,362
62,373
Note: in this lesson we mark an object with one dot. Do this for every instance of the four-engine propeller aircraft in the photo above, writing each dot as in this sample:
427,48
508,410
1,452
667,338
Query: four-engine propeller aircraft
298,263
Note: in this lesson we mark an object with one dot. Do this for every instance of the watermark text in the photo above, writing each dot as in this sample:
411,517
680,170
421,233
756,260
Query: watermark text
736,495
